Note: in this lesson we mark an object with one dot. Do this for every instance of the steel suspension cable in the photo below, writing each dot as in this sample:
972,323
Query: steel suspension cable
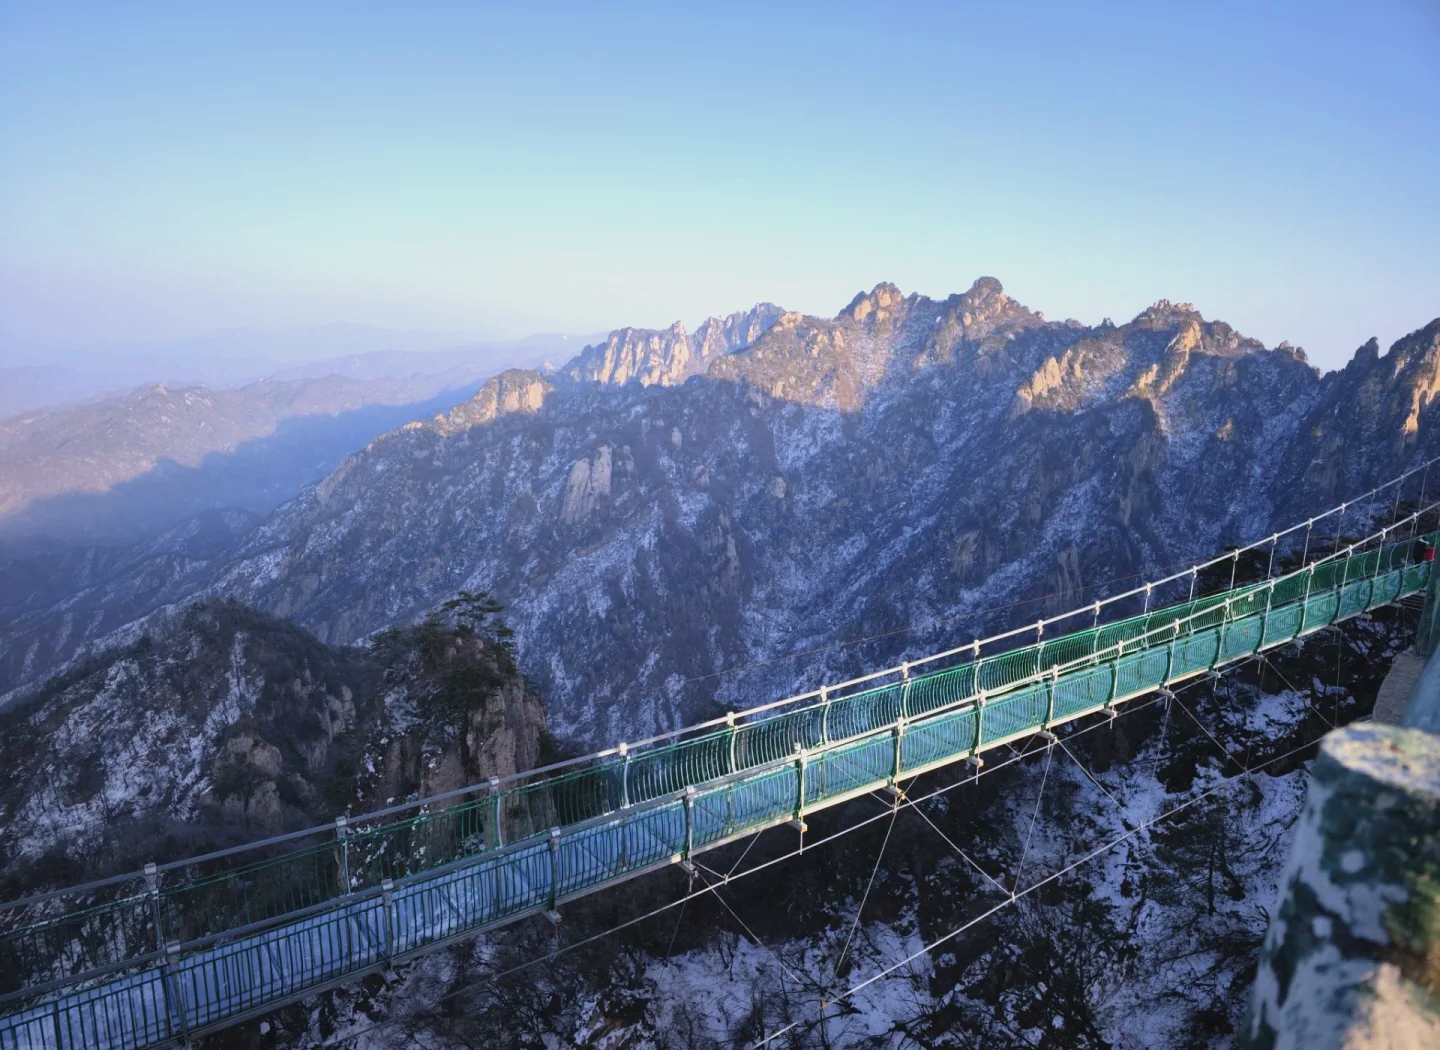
949,842
751,933
1091,777
1092,854
1039,797
421,804
860,911
909,802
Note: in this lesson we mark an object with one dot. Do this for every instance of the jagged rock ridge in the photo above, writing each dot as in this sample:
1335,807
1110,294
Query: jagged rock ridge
669,357
890,474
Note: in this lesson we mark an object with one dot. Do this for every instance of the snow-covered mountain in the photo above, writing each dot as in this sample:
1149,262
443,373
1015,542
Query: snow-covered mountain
667,520
222,725
893,475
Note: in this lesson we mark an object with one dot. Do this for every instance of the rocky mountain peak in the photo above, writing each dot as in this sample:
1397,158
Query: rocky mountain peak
1370,416
986,290
873,303
668,357
1414,362
515,390
1164,314
723,335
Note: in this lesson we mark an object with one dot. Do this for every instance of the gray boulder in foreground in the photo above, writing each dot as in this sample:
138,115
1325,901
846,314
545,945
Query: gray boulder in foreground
1352,957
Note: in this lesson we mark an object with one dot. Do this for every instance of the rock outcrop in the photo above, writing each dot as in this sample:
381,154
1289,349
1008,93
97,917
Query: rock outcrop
225,725
669,357
910,472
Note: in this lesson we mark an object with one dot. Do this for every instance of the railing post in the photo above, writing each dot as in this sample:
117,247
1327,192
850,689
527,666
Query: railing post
905,690
1170,652
387,914
689,820
899,738
55,1024
1050,699
1305,599
1265,616
1224,630
624,750
825,714
1115,672
979,720
801,761
342,852
152,886
174,993
495,816
554,867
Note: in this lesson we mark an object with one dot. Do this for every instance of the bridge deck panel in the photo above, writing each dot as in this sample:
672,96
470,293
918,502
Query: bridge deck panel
885,732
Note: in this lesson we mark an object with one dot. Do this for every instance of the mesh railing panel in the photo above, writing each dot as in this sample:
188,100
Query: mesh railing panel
619,816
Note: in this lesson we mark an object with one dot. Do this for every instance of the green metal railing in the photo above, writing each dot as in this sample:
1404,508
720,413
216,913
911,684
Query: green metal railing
531,842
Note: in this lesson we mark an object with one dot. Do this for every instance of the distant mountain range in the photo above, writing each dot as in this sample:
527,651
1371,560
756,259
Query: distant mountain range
668,518
128,467
237,357
667,507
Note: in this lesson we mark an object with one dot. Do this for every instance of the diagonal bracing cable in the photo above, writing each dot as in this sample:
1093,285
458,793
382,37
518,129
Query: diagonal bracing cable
751,933
1207,732
675,932
1092,854
879,856
1039,797
765,865
963,855
1313,706
1091,777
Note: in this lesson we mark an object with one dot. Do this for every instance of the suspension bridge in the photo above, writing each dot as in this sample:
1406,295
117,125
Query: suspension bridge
161,956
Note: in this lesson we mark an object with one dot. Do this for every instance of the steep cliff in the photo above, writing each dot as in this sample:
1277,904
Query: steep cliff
222,725
853,489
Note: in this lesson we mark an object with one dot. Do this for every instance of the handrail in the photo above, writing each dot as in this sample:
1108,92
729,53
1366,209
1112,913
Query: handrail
587,763
1014,704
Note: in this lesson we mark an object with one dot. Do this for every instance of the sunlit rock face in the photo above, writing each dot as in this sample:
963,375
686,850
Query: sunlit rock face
1368,419
897,477
669,357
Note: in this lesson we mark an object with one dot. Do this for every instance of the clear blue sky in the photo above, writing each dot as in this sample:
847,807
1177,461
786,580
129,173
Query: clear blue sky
167,169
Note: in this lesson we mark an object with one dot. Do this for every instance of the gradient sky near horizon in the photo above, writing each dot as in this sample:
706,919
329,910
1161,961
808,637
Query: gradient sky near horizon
492,170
